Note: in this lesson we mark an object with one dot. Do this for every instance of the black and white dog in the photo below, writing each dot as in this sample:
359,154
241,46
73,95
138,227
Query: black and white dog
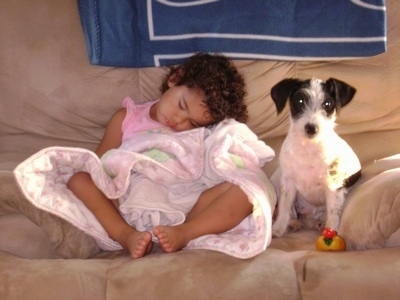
317,165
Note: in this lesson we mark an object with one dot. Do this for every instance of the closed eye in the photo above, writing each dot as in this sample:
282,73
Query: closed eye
182,104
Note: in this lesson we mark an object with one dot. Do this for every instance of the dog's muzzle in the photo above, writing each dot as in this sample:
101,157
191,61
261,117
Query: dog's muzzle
311,129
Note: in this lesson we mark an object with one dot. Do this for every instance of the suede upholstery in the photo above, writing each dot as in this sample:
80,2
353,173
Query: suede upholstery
51,96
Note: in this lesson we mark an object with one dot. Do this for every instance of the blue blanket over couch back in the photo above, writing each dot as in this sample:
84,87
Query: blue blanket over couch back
146,33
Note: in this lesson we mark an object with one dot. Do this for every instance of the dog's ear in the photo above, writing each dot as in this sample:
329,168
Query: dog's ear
342,91
281,91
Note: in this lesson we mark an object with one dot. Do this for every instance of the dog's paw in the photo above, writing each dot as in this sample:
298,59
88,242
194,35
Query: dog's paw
278,231
294,225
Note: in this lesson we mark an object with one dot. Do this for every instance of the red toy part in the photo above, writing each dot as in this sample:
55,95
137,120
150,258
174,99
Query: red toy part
330,241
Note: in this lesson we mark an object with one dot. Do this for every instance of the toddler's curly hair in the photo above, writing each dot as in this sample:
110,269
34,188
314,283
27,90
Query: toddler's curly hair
222,84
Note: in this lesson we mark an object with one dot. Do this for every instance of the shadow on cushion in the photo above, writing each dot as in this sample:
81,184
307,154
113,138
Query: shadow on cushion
66,240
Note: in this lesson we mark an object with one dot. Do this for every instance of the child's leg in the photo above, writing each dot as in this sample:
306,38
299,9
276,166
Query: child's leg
137,243
219,209
206,198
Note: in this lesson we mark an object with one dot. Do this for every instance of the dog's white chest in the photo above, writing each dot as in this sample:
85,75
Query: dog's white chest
305,164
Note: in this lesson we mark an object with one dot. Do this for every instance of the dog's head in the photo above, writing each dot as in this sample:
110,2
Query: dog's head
312,100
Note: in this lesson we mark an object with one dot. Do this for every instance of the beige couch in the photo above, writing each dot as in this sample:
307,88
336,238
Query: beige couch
50,95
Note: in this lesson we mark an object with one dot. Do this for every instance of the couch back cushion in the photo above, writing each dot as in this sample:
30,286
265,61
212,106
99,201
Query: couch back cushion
50,94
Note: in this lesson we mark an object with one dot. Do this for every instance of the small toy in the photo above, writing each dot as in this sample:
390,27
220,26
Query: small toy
330,241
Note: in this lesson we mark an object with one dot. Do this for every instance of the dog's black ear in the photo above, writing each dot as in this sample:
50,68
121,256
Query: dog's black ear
342,91
281,91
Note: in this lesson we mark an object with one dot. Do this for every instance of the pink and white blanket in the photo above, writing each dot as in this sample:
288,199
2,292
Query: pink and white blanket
157,178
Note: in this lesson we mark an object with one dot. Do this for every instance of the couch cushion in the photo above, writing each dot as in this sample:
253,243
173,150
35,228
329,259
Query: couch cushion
349,275
52,279
202,274
372,212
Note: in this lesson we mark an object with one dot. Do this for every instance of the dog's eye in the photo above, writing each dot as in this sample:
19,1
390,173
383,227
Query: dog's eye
300,102
328,105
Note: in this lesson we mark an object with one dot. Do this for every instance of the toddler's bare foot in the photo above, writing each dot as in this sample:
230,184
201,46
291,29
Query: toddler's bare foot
171,238
138,243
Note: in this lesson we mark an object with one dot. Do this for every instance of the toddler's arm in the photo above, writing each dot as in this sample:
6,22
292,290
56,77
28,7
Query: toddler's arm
112,137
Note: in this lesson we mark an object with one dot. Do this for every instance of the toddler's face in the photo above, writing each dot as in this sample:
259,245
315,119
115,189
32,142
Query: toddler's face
181,108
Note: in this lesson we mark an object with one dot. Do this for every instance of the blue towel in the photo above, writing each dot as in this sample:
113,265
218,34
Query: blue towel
146,33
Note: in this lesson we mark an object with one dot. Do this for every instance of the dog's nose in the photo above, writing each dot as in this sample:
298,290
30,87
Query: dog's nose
310,129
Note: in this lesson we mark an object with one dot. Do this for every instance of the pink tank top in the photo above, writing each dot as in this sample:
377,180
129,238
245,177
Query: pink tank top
138,120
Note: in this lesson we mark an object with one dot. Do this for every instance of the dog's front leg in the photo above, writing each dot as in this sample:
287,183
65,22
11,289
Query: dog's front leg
334,206
286,199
